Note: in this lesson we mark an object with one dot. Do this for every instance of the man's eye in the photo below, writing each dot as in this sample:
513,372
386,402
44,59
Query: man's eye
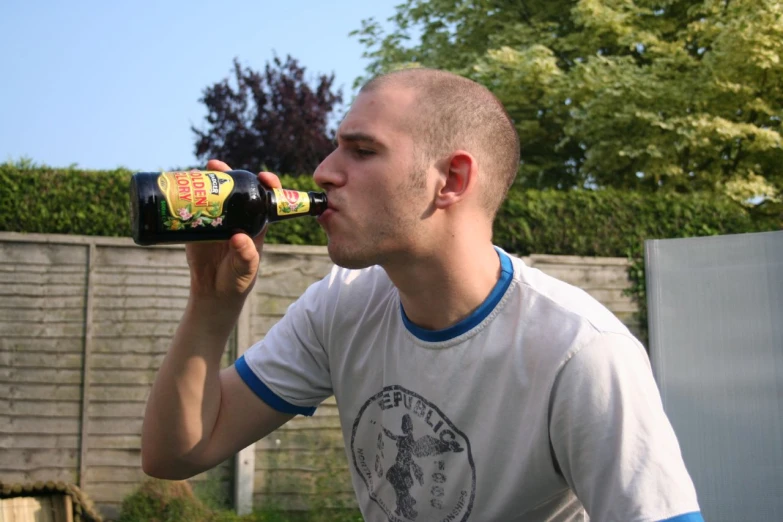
364,152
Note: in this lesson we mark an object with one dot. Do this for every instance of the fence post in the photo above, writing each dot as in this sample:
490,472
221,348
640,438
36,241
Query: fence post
88,331
245,463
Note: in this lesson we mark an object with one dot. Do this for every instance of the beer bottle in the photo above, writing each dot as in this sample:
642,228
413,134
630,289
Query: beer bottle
195,205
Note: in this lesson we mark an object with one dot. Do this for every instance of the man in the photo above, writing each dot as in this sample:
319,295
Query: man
470,387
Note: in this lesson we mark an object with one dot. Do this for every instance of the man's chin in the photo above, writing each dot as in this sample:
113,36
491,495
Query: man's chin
349,260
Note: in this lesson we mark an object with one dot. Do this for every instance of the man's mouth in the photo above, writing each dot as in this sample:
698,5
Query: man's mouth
326,214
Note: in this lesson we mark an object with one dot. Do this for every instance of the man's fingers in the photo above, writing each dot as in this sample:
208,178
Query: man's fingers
221,166
269,180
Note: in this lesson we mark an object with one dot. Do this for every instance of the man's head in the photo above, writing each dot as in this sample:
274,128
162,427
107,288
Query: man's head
452,113
421,157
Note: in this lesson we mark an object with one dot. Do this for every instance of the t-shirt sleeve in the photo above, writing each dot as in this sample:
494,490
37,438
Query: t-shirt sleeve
612,440
289,368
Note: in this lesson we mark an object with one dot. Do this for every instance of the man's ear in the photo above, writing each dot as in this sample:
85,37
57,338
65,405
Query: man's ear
461,174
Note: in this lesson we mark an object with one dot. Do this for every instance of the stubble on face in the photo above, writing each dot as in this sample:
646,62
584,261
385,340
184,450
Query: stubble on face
390,233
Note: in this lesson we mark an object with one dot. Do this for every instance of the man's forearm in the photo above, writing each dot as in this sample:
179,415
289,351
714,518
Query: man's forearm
185,399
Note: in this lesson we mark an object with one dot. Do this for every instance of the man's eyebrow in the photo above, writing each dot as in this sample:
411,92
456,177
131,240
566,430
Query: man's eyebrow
357,136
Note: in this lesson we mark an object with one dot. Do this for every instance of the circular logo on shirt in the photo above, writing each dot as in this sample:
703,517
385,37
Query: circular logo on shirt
415,463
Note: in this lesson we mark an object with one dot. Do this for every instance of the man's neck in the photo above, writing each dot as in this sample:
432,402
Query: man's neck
440,291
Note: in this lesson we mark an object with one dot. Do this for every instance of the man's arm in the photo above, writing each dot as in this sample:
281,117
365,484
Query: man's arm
197,415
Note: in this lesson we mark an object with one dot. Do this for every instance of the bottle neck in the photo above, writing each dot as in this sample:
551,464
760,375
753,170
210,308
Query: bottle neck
318,203
287,204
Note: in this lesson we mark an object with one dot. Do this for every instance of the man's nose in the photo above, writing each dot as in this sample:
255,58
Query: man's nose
328,173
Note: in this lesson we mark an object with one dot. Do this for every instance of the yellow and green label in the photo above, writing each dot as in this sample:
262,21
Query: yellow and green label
194,198
291,202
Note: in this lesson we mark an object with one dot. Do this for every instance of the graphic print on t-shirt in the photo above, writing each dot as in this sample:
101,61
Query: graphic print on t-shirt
416,465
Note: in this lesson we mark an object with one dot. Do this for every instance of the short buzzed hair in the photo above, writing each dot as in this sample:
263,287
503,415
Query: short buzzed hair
453,112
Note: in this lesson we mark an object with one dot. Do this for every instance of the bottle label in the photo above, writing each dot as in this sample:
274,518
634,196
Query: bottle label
193,198
291,202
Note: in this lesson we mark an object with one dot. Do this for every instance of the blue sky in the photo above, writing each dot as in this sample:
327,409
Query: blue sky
107,84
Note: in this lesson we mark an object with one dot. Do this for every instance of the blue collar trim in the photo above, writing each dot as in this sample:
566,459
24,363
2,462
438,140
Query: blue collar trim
478,315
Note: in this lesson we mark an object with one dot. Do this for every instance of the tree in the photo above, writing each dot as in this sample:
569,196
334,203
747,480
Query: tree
658,95
272,120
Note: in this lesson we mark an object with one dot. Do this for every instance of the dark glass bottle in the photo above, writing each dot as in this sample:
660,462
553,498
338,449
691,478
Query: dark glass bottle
196,205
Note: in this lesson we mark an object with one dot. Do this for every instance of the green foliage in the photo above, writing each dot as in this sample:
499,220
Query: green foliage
681,95
175,501
163,501
63,201
611,223
214,492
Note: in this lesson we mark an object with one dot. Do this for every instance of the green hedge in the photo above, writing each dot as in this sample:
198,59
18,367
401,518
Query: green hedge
587,223
584,223
613,223
63,201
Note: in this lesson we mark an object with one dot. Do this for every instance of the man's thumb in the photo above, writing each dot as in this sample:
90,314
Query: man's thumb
245,255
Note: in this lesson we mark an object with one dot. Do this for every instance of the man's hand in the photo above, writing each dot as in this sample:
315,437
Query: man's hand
226,270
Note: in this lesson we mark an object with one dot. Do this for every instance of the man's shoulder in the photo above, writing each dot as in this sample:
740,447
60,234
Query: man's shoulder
553,300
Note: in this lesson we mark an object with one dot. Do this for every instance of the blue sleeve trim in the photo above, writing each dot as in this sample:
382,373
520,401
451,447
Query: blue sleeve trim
265,394
688,517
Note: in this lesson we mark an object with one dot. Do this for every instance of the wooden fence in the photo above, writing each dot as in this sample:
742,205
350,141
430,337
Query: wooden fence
84,325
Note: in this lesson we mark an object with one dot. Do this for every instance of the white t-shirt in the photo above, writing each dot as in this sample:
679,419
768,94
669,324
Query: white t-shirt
540,406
